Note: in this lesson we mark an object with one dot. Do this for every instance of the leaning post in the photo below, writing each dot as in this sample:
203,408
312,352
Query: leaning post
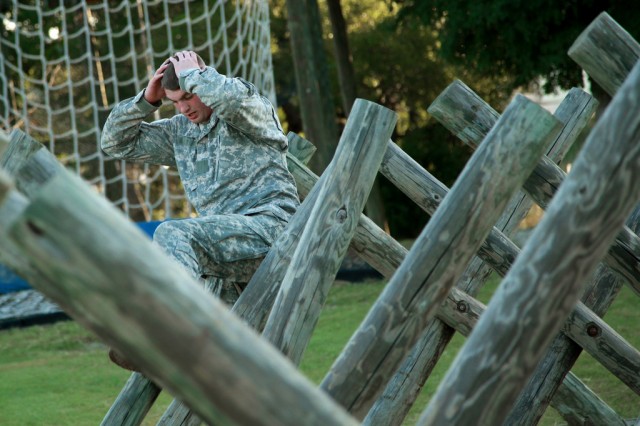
452,236
544,283
331,226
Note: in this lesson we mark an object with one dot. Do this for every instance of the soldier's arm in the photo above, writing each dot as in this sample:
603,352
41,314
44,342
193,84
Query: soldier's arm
237,102
126,135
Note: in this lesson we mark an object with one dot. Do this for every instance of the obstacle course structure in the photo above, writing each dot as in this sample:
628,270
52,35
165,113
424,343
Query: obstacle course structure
520,348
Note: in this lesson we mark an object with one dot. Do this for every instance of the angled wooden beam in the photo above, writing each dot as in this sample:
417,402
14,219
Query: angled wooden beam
575,112
606,51
109,286
445,246
623,256
544,283
332,224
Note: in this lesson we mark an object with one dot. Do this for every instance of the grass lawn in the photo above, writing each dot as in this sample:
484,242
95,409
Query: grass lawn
60,375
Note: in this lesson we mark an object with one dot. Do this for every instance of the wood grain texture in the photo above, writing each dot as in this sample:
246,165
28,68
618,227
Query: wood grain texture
331,226
398,397
542,184
4,144
133,402
180,415
257,302
544,283
111,287
452,236
300,148
20,148
581,406
606,51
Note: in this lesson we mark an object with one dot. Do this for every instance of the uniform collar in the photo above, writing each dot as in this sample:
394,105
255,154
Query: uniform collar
198,131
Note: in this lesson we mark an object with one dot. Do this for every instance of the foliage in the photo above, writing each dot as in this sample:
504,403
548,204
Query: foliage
518,38
396,65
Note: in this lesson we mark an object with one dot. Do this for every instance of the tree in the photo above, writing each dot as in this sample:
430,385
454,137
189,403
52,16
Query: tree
521,39
312,80
346,75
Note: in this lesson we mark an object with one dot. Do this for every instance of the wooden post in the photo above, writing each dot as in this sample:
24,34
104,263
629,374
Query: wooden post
111,277
136,398
580,406
4,143
332,224
606,51
572,399
20,148
403,389
133,402
624,255
440,254
544,283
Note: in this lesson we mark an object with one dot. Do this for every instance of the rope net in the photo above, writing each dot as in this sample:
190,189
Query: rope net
64,65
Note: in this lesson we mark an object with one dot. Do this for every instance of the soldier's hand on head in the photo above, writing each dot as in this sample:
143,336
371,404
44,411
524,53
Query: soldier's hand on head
154,91
185,60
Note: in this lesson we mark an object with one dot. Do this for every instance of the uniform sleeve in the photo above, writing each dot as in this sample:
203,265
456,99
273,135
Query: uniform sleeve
125,135
237,102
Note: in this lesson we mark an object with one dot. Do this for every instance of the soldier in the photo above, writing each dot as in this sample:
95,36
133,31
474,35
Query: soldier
229,148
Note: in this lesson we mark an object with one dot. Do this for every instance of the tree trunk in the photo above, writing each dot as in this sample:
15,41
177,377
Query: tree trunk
346,76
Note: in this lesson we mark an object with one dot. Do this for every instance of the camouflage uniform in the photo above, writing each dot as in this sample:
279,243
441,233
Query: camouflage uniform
233,169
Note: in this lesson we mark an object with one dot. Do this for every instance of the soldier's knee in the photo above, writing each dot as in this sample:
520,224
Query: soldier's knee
168,234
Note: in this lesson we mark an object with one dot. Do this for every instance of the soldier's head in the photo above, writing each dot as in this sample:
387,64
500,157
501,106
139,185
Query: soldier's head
170,80
187,104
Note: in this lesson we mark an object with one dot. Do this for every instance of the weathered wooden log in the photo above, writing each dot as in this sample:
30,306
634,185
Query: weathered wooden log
20,148
4,143
255,303
133,403
461,312
447,243
405,386
110,288
33,165
332,224
623,256
144,391
580,406
179,414
547,383
533,401
606,51
544,283
573,399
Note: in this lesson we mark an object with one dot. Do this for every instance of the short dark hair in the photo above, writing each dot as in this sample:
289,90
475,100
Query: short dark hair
170,79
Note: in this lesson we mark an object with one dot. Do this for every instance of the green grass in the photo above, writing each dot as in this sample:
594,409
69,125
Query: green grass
60,375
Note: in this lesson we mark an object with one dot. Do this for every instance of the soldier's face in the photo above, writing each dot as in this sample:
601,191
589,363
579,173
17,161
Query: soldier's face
189,105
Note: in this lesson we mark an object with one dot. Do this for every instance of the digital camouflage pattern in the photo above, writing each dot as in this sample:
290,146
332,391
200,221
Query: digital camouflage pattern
233,169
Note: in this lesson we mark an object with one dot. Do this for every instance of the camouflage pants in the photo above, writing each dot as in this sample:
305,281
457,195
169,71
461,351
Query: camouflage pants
222,251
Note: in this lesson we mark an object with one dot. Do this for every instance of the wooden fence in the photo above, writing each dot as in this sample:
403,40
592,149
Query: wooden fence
241,365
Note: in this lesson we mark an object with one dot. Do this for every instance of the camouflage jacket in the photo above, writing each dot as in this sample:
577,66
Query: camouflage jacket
234,163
